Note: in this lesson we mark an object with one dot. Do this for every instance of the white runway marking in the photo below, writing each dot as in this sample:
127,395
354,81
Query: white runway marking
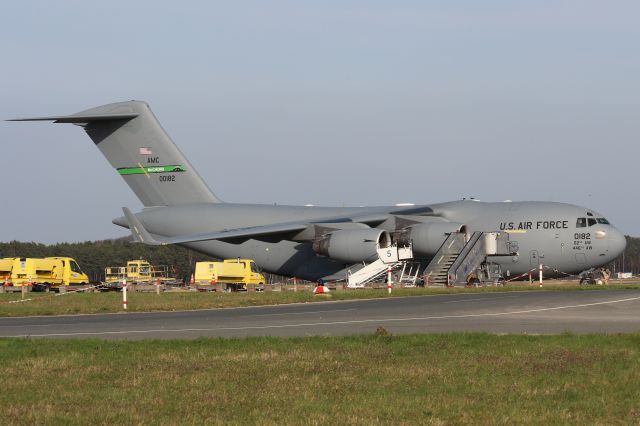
304,313
363,321
480,298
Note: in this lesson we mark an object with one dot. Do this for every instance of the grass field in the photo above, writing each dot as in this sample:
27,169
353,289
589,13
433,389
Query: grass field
374,379
89,303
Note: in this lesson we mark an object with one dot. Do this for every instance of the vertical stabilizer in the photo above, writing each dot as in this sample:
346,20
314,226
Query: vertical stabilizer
138,148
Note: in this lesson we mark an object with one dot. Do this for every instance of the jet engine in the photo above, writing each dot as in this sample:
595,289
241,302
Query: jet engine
428,237
352,245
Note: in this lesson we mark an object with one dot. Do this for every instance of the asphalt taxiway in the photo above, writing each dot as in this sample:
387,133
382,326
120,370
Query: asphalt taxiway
546,312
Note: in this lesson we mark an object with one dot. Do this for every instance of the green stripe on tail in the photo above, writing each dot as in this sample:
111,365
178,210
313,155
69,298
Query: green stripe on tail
153,169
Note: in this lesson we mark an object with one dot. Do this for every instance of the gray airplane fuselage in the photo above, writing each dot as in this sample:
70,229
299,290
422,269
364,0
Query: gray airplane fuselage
321,242
541,232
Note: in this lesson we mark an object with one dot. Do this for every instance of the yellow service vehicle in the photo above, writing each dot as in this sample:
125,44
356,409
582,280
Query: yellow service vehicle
41,273
138,272
6,265
235,273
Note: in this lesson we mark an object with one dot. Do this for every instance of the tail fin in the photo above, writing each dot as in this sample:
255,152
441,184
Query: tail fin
131,138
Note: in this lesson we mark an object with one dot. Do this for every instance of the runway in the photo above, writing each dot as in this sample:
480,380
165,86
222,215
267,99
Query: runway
603,311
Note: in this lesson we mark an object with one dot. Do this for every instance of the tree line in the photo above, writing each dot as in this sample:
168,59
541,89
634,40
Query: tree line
94,256
629,261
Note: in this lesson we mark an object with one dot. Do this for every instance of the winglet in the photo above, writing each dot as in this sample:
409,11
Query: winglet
139,232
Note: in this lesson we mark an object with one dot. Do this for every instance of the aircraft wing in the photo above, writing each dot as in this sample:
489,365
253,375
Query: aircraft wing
143,236
264,231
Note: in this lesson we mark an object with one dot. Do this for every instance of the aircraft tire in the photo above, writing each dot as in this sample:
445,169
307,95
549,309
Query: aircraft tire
474,282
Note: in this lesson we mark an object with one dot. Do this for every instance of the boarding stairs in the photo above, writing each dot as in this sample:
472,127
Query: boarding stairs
393,257
459,256
409,274
437,272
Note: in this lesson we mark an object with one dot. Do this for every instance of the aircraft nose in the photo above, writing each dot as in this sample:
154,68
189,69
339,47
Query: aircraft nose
617,242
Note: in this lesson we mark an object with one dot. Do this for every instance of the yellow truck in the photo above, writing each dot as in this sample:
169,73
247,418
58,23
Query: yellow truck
6,266
138,272
234,274
41,273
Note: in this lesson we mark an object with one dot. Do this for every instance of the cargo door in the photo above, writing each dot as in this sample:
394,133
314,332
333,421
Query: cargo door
202,271
132,272
57,271
68,273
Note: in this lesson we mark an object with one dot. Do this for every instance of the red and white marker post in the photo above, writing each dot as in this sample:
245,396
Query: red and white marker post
24,288
124,294
541,275
389,283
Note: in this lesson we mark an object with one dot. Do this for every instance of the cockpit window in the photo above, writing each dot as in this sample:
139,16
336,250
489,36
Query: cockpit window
581,222
603,221
591,221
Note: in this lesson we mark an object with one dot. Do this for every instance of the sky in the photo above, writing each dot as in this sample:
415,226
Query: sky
341,103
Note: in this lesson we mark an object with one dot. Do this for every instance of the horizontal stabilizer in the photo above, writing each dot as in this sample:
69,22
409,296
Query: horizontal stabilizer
80,118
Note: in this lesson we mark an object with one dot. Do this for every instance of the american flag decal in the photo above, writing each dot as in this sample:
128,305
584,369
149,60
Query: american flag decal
145,151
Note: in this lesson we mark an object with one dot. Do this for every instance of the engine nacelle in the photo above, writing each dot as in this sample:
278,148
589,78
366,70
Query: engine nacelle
352,245
428,237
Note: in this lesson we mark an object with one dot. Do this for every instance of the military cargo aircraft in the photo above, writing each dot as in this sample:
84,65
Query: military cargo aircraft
312,242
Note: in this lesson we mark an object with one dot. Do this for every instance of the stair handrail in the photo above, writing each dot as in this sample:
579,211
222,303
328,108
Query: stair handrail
452,238
476,238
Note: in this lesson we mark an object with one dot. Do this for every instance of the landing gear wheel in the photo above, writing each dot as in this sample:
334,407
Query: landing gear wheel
473,282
